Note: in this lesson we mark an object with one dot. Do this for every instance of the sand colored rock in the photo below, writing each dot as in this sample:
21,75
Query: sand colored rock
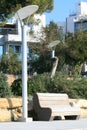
5,115
10,102
11,108
82,103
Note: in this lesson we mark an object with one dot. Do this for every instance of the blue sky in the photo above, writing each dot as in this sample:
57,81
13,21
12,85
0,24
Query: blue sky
62,9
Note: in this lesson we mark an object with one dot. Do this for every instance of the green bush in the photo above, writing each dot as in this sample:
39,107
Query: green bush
60,84
75,88
34,84
38,83
5,90
17,87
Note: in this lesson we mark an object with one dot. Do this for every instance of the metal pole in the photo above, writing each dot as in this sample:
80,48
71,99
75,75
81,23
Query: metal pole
53,53
24,72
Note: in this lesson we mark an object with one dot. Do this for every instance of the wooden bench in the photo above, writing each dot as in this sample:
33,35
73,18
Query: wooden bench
53,106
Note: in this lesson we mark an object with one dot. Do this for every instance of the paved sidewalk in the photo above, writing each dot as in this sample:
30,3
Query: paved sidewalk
80,124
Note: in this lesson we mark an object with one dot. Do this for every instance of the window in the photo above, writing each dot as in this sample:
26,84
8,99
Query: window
16,49
1,50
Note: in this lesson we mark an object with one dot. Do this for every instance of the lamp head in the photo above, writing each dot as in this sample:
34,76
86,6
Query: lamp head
26,12
53,44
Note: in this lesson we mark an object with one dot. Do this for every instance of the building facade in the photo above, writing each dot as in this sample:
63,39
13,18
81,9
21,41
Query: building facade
11,34
77,20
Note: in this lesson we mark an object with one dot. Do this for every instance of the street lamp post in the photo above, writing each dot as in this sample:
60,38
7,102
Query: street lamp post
55,59
20,15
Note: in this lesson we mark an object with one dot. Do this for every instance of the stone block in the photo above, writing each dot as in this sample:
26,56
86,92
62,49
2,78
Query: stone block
8,103
5,115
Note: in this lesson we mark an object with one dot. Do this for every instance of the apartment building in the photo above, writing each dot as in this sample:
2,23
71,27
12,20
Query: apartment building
77,20
11,34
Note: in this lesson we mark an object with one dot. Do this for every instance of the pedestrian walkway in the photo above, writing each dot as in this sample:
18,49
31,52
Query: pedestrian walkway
80,124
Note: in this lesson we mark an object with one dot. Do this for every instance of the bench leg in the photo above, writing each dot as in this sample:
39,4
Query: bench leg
77,118
56,118
51,118
73,117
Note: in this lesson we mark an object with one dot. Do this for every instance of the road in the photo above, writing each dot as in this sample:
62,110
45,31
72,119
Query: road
80,124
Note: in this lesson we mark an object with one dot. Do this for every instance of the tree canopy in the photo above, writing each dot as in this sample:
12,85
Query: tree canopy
76,49
73,51
52,32
44,62
9,7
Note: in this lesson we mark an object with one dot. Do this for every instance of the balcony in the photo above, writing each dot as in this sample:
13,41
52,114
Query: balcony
4,31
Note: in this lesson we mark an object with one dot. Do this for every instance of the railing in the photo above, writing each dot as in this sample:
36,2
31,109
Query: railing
4,31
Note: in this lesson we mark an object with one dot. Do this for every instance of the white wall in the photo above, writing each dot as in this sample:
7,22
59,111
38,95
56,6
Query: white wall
70,24
81,8
38,29
42,22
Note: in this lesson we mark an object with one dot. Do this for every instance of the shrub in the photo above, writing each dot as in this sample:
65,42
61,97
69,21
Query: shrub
5,90
75,88
60,84
17,87
38,83
34,84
